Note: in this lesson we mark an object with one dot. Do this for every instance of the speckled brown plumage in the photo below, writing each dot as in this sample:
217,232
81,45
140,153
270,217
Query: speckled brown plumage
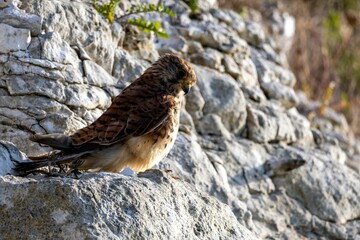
137,130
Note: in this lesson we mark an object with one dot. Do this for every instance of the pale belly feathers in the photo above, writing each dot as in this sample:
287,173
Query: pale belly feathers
138,153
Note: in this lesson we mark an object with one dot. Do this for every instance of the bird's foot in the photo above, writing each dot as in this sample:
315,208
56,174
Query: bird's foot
76,173
169,171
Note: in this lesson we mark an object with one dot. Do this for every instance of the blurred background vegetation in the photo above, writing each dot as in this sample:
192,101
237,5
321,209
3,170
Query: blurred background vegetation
326,49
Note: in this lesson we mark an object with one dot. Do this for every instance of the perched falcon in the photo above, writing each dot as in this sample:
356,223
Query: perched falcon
136,131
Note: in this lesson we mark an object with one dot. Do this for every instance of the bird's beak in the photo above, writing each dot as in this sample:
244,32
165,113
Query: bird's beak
186,89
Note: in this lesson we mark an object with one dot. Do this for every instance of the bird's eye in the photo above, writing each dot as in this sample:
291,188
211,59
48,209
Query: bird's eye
181,73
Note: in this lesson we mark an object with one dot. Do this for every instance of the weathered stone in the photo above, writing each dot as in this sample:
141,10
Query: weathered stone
254,93
270,72
216,36
57,50
246,176
16,67
9,154
17,18
78,23
321,180
140,44
210,58
253,32
195,103
96,75
61,123
89,97
195,47
285,95
13,39
230,66
175,41
248,75
188,162
28,84
131,203
223,97
211,124
127,68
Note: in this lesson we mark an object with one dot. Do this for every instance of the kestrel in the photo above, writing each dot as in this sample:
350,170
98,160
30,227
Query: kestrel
136,131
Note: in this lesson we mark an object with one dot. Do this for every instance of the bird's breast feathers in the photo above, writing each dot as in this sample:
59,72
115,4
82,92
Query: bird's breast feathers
140,152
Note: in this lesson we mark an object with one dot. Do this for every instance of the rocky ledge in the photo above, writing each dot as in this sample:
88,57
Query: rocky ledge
250,162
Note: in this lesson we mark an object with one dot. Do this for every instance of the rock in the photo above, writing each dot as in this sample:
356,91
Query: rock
210,58
253,33
89,97
188,162
254,93
9,155
97,76
175,41
222,97
195,103
247,75
195,47
246,177
285,95
17,18
324,179
78,23
229,17
146,204
270,72
13,39
215,36
36,85
140,44
211,124
126,67
264,124
230,66
57,50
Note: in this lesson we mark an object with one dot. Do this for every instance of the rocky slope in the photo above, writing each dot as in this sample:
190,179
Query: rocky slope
243,128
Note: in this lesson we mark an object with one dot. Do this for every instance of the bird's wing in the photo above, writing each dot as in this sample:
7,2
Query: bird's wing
133,113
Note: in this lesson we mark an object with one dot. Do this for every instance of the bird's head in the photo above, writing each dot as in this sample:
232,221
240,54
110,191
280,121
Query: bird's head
174,73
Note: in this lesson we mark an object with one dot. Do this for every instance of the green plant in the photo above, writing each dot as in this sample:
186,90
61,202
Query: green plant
108,11
193,5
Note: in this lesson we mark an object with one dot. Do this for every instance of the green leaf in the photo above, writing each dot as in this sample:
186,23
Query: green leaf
149,26
107,10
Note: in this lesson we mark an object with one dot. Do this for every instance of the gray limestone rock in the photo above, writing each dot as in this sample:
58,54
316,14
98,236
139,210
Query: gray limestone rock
284,95
9,155
126,67
13,39
78,23
323,179
151,206
223,97
17,18
211,124
216,36
253,32
248,75
271,72
209,58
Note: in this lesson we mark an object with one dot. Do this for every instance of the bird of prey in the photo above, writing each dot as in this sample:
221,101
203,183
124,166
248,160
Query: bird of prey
136,131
